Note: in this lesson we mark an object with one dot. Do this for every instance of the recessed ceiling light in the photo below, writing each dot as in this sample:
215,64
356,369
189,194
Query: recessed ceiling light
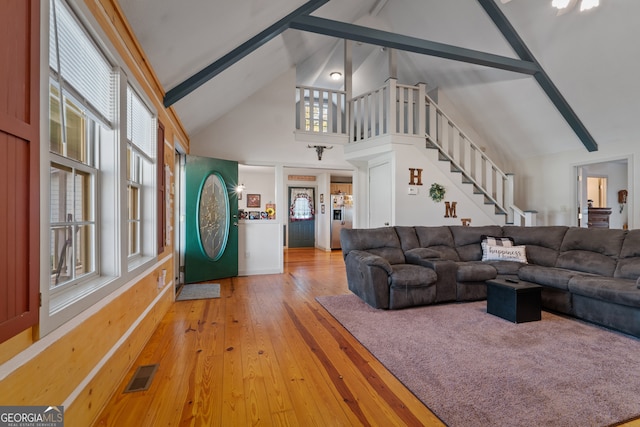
335,75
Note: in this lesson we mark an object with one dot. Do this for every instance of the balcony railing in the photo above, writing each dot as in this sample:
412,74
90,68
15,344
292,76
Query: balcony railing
321,111
402,110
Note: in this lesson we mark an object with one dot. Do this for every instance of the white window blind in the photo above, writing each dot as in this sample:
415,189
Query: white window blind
140,125
79,62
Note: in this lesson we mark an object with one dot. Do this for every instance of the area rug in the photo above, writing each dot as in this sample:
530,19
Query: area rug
474,369
199,291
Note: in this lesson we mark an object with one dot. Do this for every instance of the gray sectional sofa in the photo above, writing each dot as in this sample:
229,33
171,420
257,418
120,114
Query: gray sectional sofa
592,274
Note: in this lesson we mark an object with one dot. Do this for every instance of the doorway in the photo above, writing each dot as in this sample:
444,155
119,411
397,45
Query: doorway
302,222
597,191
598,185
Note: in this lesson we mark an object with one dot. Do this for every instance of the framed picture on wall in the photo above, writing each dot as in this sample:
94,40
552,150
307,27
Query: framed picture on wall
253,200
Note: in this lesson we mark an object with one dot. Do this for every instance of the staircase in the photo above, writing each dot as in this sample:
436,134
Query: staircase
406,112
466,178
476,168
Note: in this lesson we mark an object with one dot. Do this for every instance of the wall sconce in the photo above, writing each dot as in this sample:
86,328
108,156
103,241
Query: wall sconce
239,189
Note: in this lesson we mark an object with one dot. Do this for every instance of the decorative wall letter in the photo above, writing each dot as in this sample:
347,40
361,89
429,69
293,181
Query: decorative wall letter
450,210
465,221
415,174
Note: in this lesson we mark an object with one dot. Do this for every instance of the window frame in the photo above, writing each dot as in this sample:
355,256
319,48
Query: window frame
145,182
114,269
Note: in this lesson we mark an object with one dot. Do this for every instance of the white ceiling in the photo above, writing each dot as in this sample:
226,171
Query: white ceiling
592,57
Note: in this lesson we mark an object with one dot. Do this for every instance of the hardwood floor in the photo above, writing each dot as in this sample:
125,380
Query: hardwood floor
265,353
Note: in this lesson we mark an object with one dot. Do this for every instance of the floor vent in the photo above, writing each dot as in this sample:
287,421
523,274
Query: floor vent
141,380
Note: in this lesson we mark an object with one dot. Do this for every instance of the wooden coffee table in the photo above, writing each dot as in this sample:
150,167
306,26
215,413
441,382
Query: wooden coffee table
517,301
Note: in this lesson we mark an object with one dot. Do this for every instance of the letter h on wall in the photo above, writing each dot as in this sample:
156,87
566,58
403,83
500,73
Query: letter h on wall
415,176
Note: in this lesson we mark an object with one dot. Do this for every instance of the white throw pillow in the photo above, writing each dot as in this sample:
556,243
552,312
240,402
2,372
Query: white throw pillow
497,241
504,253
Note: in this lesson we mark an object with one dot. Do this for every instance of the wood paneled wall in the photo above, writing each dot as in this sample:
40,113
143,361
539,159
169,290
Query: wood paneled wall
81,363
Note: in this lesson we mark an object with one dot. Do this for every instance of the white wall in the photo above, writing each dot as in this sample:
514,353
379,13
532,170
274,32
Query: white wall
260,132
548,184
258,238
420,209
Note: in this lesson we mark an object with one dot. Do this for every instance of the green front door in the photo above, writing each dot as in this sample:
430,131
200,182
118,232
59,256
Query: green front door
211,223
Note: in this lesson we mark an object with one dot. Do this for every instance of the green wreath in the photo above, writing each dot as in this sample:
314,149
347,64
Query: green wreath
436,192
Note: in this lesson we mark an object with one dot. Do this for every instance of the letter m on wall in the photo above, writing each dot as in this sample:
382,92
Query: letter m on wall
19,166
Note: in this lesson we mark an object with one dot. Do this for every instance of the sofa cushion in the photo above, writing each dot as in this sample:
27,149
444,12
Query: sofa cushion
439,239
618,291
467,240
628,266
417,255
587,262
591,250
604,241
409,275
631,244
434,236
542,242
475,271
547,276
382,241
408,237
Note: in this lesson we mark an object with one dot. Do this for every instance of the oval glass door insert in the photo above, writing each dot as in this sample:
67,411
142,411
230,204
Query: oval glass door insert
213,216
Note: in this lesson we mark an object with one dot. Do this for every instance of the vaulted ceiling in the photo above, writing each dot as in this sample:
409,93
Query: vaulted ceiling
592,57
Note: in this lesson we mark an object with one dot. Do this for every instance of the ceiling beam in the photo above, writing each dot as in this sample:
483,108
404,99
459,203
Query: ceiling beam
358,33
543,79
201,77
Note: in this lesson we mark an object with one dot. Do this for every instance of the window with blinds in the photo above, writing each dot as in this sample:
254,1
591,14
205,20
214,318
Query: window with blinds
141,139
102,172
81,99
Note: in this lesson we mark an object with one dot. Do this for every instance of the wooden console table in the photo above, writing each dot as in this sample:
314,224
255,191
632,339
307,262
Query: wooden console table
598,217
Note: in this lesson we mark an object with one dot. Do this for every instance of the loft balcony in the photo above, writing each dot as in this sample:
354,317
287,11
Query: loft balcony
404,112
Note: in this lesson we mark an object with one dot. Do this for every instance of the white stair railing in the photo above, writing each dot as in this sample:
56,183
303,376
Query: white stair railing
469,159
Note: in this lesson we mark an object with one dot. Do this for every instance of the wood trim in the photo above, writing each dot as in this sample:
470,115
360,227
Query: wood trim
162,190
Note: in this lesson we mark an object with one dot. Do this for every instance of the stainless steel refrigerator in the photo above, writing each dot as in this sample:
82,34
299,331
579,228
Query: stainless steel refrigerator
341,216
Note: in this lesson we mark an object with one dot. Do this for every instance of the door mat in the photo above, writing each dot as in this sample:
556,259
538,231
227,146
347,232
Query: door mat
199,291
